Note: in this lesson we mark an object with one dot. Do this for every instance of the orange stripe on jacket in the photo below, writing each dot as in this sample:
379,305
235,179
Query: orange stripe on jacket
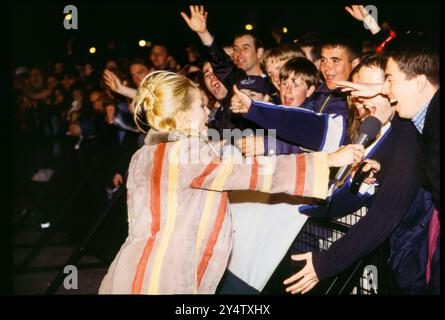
199,181
155,212
254,175
213,237
300,174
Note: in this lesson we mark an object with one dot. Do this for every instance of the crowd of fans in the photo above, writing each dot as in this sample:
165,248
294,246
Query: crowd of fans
294,88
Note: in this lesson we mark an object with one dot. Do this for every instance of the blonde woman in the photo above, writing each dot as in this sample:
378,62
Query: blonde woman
180,233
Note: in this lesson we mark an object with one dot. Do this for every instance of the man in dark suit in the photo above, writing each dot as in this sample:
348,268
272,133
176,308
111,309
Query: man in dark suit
412,78
412,83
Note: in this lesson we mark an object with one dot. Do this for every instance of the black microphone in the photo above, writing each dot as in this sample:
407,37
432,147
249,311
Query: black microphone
368,130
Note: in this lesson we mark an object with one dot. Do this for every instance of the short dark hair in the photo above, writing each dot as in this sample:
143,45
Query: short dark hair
160,44
140,61
350,46
301,67
374,60
282,52
256,41
415,55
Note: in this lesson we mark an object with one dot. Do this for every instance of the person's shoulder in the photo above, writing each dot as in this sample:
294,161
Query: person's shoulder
192,149
404,127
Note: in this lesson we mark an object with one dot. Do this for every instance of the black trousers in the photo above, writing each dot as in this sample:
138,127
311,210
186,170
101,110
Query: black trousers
231,284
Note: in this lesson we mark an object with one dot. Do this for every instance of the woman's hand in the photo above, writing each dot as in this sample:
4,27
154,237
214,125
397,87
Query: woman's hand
305,279
251,146
352,154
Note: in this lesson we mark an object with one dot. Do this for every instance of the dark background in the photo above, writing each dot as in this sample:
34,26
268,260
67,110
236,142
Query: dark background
38,35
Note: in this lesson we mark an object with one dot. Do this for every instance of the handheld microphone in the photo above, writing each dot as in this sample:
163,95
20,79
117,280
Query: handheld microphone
368,130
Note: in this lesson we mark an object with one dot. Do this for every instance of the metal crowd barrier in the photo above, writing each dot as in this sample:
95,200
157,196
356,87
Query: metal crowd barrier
369,276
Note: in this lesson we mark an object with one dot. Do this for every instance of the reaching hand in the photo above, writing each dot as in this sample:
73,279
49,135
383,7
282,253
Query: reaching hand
372,165
112,81
240,102
366,90
198,17
252,146
306,278
351,154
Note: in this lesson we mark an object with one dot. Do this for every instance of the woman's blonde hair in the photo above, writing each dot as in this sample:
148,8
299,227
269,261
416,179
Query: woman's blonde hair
161,95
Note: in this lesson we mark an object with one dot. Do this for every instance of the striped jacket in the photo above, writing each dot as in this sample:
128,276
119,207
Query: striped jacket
180,232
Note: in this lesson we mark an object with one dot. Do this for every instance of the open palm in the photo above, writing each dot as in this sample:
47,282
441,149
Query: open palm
197,20
358,12
112,81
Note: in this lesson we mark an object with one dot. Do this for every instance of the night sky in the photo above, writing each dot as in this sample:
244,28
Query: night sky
38,35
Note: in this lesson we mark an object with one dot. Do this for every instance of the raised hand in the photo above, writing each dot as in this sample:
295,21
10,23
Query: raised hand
112,81
198,19
240,102
361,14
357,11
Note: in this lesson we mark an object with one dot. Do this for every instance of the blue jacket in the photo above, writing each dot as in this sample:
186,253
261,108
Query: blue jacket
409,246
321,129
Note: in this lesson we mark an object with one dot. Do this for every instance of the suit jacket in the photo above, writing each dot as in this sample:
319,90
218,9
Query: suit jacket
430,150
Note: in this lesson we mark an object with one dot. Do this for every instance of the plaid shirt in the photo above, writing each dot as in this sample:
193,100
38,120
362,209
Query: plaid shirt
419,118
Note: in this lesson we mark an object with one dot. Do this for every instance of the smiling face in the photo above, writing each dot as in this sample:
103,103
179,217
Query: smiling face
294,91
379,105
212,83
405,91
335,65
